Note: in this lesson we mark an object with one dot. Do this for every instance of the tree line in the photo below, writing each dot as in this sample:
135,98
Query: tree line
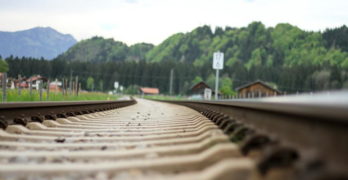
130,74
285,56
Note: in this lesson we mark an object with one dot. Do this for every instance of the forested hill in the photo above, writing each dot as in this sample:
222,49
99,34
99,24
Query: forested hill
98,49
286,56
255,44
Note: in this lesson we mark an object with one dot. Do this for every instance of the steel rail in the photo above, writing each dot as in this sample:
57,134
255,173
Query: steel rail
25,112
312,128
148,140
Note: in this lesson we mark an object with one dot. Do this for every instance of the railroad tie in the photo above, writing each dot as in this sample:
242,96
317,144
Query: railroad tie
148,140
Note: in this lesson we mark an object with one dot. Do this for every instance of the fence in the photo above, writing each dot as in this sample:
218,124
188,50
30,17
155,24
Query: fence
38,91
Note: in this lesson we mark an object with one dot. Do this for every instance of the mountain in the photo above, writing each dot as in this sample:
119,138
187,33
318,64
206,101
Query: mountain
36,42
98,49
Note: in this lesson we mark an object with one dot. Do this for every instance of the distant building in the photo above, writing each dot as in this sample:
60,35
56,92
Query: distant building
56,86
197,90
148,91
257,89
36,80
23,84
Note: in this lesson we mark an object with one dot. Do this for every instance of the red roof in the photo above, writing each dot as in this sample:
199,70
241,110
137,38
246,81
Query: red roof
24,84
35,78
149,90
54,87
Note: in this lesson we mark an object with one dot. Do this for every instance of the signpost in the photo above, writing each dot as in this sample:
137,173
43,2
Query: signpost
207,94
218,63
116,85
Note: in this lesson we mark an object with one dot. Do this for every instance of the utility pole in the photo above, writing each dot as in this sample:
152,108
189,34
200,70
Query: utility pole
30,87
171,81
76,85
73,88
217,84
70,82
40,88
65,84
4,86
48,90
78,89
19,84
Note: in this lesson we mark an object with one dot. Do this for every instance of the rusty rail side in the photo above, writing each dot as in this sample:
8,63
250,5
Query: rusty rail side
25,112
308,134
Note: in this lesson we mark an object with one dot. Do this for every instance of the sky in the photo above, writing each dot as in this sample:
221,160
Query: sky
152,21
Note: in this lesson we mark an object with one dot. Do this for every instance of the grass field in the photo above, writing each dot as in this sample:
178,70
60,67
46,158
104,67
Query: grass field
12,96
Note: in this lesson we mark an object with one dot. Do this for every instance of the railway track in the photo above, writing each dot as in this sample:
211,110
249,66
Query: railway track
165,140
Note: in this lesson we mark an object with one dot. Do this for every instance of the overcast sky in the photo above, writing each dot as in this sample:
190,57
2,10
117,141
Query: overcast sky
152,21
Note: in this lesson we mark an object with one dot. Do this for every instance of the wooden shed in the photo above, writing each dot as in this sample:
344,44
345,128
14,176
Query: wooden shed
197,90
257,89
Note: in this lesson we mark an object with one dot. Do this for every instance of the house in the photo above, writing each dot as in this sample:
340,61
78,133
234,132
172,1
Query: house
197,91
36,80
21,83
56,86
24,84
148,91
257,89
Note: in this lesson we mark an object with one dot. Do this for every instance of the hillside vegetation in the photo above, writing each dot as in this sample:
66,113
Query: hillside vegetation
98,49
291,59
256,45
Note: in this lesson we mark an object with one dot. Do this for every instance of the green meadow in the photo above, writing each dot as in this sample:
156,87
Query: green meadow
13,96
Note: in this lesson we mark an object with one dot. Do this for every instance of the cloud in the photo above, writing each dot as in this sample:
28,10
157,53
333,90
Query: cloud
152,21
108,27
131,1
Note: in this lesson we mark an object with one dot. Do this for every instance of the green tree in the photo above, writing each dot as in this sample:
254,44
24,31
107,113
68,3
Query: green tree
90,83
101,85
336,38
3,66
196,80
132,89
226,86
211,80
256,58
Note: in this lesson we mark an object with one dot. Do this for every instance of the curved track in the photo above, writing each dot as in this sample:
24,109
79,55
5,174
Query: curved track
263,139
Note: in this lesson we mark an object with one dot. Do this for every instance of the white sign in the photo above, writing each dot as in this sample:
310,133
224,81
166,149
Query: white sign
207,94
116,84
218,60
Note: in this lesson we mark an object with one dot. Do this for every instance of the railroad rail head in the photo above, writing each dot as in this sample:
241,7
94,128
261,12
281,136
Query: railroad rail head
25,112
308,133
